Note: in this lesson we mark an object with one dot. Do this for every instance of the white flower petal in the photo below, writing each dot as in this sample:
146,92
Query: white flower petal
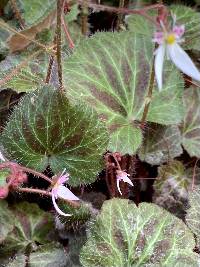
57,208
159,60
2,157
118,186
182,61
65,193
127,180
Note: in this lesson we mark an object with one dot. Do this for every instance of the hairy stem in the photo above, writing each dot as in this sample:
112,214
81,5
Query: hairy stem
84,18
58,43
120,15
67,34
50,66
46,193
41,175
149,97
127,11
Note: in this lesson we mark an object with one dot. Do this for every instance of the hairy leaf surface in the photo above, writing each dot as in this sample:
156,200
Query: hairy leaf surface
191,126
111,72
193,213
126,235
160,144
31,225
45,129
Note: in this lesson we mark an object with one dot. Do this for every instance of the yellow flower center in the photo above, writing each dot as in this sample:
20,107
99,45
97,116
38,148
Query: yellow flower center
171,38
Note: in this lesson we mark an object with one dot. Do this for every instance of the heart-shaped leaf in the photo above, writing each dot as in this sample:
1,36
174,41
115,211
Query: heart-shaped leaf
126,235
31,225
111,72
191,126
160,144
175,180
45,129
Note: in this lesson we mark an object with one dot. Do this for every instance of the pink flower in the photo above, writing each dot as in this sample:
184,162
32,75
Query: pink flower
61,191
168,41
121,175
4,191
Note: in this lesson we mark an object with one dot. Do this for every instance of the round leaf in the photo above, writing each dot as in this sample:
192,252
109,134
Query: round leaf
111,72
126,235
46,130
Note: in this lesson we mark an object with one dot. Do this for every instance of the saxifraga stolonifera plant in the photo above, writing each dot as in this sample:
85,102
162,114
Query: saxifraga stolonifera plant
107,88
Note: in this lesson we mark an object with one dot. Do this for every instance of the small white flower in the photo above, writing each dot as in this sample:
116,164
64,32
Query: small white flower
169,44
121,175
59,190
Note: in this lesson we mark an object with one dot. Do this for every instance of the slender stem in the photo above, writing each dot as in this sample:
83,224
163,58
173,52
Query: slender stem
84,18
33,190
49,70
19,67
5,25
41,175
120,15
17,13
58,41
68,37
46,193
118,165
127,11
51,61
149,96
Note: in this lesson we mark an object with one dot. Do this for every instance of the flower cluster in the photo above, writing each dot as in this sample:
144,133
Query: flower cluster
168,41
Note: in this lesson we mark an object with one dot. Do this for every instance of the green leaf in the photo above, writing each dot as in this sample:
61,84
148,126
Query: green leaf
160,144
31,225
126,235
48,256
113,78
72,15
191,126
3,37
33,12
125,139
79,215
184,16
26,71
193,213
45,129
191,19
6,220
18,261
174,180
